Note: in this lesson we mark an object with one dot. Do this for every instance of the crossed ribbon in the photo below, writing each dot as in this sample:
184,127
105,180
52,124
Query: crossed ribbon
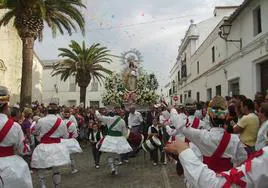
234,178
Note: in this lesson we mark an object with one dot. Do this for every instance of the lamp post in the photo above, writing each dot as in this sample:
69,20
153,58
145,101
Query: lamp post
224,32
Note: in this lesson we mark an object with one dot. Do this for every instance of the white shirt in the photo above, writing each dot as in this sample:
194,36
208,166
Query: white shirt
14,137
200,176
46,123
262,136
72,128
73,119
134,119
208,142
121,125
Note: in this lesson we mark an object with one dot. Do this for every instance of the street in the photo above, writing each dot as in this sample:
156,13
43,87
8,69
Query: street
138,173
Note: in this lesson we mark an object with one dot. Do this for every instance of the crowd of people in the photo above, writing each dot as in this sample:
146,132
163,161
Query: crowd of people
209,141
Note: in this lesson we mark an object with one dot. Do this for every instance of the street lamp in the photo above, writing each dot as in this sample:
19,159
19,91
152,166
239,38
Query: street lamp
224,32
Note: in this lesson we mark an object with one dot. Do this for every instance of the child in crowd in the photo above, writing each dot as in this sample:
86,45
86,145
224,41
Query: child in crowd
156,130
94,137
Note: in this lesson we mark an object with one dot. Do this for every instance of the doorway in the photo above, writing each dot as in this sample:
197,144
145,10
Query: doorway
264,77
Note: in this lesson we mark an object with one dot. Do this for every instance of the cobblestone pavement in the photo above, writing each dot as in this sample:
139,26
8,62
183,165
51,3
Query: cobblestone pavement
139,173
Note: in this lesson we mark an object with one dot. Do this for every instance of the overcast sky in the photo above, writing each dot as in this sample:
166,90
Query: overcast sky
154,27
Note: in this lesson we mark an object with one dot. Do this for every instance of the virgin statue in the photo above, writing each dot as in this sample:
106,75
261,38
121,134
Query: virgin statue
132,76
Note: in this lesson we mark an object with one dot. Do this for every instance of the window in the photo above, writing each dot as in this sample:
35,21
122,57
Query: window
184,71
170,92
94,86
95,104
218,90
197,96
72,102
257,21
189,94
173,87
209,94
181,99
179,76
234,87
72,84
197,67
185,97
213,54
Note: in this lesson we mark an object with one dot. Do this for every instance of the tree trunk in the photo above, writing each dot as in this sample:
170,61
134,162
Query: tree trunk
27,65
83,93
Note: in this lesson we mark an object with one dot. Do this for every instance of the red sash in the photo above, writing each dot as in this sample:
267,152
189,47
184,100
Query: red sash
46,139
216,162
6,151
195,125
68,125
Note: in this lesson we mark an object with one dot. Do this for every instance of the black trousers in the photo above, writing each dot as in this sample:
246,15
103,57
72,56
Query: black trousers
96,154
155,155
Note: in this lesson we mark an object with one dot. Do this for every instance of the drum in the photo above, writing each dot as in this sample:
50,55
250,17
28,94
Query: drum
151,144
135,139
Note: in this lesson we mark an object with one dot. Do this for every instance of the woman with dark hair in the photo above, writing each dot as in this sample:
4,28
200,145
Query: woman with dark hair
248,126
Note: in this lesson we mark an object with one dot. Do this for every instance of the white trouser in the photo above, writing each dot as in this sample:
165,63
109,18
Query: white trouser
113,162
56,177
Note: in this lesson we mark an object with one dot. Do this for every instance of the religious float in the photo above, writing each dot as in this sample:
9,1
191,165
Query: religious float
131,86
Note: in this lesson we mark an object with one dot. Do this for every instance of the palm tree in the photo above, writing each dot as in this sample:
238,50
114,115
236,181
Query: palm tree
30,16
84,64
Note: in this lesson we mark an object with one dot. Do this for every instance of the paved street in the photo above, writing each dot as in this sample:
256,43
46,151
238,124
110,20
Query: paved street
138,173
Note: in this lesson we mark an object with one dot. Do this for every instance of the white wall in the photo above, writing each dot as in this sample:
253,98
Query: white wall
11,55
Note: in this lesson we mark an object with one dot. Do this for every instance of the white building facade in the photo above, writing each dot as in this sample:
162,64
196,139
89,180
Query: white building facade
187,68
68,92
220,67
11,64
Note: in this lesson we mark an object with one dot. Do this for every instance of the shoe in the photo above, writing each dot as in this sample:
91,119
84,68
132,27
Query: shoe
126,161
113,172
154,164
97,166
74,171
164,163
116,172
120,163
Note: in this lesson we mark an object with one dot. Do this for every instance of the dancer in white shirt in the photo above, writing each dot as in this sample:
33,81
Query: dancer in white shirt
71,143
253,173
50,152
115,142
14,171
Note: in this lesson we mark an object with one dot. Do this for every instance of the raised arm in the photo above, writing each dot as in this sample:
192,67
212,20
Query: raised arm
197,173
104,119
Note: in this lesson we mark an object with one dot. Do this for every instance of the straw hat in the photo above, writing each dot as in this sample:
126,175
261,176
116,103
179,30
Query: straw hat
4,96
218,102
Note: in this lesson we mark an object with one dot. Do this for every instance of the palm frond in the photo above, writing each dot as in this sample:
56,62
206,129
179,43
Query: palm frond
85,63
7,17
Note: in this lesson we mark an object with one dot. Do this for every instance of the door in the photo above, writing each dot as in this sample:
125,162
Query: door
264,77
